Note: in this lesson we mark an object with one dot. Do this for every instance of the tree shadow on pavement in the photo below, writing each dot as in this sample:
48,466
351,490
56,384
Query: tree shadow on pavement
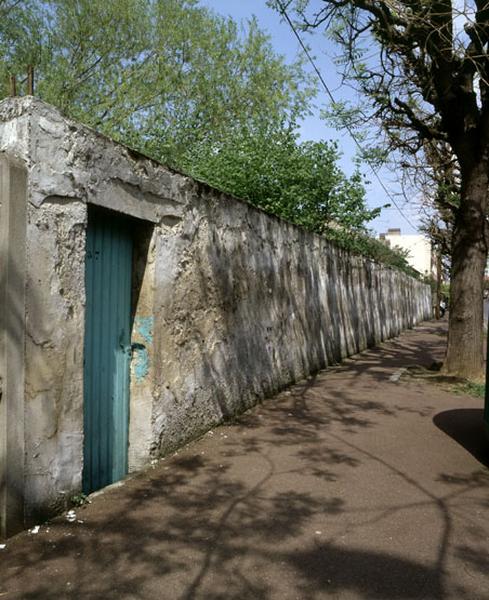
251,511
235,521
214,538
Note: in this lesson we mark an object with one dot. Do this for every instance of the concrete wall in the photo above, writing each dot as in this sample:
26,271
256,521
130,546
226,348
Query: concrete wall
13,204
230,304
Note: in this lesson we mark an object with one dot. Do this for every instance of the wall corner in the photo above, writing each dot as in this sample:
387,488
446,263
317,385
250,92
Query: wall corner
13,204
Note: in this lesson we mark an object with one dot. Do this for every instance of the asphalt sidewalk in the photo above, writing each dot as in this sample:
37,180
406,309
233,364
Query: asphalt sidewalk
348,485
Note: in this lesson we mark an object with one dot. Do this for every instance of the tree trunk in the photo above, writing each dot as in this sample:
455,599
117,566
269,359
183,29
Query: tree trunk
438,283
469,255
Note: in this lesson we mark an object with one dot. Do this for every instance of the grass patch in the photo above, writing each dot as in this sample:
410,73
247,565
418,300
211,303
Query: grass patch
449,383
471,388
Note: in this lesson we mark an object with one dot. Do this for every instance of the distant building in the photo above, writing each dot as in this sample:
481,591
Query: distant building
420,255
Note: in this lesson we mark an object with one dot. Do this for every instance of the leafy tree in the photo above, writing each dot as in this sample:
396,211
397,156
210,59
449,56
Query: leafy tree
301,182
424,65
186,87
158,74
18,24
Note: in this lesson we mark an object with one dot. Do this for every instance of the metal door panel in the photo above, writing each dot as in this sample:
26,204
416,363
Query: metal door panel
107,349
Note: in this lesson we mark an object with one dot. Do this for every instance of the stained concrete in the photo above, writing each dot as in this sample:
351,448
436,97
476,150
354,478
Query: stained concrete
13,204
231,304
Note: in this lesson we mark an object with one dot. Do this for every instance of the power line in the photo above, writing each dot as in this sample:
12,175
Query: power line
331,97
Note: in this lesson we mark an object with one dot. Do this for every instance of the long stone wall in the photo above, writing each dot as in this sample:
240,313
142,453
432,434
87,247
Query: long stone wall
230,304
249,303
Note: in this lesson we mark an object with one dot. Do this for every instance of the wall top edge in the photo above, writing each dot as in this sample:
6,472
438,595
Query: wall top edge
50,120
14,107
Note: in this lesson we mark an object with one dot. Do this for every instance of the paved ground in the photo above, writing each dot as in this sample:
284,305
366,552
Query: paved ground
347,486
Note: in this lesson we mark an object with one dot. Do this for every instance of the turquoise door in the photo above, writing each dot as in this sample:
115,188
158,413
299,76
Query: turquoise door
107,349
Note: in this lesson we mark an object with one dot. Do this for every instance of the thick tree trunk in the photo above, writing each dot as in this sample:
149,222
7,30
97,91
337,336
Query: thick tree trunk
469,255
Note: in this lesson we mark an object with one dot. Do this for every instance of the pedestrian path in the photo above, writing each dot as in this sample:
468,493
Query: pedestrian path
350,485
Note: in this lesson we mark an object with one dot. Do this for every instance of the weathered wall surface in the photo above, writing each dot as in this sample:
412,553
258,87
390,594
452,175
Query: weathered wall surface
231,304
13,204
247,303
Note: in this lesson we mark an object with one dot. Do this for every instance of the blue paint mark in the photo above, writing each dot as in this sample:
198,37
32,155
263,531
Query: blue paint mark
141,361
144,327
144,331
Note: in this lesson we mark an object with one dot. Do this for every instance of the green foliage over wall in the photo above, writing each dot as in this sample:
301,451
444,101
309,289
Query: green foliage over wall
194,91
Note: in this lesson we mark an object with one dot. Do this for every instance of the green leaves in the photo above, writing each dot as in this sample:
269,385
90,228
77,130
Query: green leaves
193,90
301,182
161,74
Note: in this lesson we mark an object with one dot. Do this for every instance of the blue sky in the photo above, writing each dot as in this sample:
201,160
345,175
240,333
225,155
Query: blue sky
313,128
